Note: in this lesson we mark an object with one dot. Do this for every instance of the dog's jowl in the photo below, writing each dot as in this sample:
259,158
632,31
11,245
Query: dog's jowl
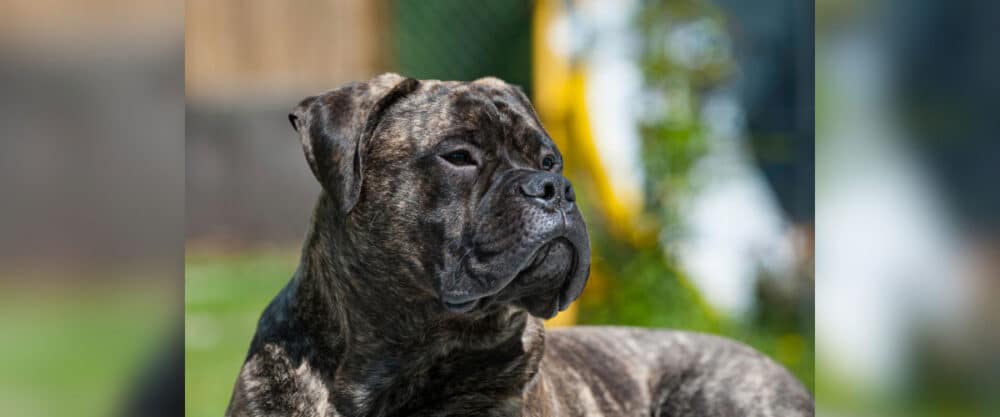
444,232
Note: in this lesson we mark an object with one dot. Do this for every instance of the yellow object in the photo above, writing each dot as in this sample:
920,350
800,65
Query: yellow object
559,85
566,318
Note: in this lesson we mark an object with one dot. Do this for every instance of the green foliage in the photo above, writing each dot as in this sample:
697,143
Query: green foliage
647,293
463,40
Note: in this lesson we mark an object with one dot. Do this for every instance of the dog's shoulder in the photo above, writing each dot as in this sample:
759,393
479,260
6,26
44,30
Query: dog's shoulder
278,376
272,382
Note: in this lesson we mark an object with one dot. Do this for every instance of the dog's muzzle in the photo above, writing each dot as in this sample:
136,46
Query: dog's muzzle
545,268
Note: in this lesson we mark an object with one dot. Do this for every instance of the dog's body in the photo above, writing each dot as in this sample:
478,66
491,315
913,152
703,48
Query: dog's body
444,231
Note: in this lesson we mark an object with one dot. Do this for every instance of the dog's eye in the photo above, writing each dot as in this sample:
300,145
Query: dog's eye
548,162
459,158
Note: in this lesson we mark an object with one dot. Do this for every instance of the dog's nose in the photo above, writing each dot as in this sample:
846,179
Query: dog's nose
548,189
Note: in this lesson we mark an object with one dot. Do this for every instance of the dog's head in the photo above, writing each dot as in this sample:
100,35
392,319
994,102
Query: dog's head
453,186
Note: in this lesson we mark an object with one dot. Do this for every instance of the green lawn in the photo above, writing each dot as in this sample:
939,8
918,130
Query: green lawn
224,297
72,351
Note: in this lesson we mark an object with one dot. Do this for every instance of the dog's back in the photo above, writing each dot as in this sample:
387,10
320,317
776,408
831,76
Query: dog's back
620,371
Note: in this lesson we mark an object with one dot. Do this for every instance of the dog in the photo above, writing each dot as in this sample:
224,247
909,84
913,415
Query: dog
443,235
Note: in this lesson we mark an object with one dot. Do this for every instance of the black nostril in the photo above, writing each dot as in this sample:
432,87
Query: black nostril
548,189
549,192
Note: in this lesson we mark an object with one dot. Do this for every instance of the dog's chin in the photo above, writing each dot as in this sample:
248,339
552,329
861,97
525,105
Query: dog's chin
544,287
540,287
544,284
543,309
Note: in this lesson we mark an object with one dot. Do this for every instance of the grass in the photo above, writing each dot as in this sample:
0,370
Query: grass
72,351
224,297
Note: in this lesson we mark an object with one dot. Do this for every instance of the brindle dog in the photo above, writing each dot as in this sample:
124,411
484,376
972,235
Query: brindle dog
443,234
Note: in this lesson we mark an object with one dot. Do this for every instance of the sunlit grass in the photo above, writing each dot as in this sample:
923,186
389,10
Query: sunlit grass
224,297
74,351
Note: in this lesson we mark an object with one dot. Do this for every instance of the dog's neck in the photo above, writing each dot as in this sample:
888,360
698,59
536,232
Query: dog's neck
388,346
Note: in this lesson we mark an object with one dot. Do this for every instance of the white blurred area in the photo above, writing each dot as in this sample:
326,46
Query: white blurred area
906,263
735,231
887,259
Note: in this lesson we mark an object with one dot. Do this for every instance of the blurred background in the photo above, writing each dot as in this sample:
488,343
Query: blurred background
908,219
92,203
686,127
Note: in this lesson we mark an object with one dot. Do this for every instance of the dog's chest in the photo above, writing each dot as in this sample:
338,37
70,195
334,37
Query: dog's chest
270,385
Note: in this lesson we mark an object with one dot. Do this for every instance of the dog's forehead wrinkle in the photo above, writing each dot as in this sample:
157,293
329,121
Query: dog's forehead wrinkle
491,110
512,135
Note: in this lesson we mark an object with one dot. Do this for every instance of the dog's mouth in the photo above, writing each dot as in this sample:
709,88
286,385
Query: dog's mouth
461,307
552,279
539,296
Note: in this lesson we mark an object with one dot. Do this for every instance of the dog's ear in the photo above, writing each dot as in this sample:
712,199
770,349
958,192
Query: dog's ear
335,126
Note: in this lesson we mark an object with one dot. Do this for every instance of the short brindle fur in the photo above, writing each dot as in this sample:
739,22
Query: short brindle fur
444,233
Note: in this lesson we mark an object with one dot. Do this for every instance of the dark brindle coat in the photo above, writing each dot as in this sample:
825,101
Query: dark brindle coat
443,232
